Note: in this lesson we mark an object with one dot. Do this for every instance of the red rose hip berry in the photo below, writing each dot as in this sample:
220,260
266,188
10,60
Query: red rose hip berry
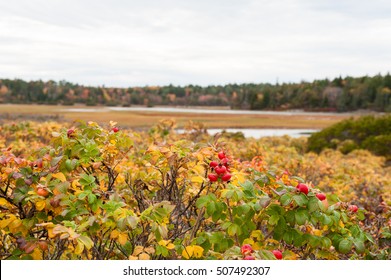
246,249
221,170
321,196
277,254
212,177
303,188
221,155
353,208
226,177
70,132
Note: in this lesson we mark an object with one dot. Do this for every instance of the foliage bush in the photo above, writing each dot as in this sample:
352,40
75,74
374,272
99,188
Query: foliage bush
89,192
368,132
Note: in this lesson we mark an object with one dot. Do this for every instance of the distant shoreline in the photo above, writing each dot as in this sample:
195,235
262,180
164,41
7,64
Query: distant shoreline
223,109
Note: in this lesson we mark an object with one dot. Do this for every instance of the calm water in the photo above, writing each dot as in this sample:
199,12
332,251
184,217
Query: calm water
258,133
248,132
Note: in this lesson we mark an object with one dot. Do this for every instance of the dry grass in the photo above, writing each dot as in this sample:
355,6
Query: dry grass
146,119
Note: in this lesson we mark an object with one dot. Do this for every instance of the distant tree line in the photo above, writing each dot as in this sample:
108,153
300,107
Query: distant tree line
339,94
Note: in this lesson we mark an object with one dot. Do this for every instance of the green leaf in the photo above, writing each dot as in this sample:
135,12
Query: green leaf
332,199
326,242
55,160
273,220
360,215
301,216
314,241
216,237
87,180
359,245
300,199
275,209
83,195
217,213
290,217
289,237
369,237
248,189
91,198
202,201
345,246
285,199
210,208
313,204
326,220
233,229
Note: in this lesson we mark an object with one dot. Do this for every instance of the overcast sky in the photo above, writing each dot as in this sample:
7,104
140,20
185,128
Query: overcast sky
205,42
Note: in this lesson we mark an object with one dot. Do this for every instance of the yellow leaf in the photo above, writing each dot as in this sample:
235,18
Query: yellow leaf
122,238
187,253
37,254
50,233
238,178
317,232
79,248
257,246
257,234
132,258
163,242
198,251
248,241
3,201
289,255
120,179
60,176
15,224
114,234
102,185
167,244
75,183
40,205
138,250
199,169
144,256
197,179
4,223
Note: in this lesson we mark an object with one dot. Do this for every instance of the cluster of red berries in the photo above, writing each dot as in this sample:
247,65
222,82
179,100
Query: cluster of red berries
221,169
303,188
247,251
